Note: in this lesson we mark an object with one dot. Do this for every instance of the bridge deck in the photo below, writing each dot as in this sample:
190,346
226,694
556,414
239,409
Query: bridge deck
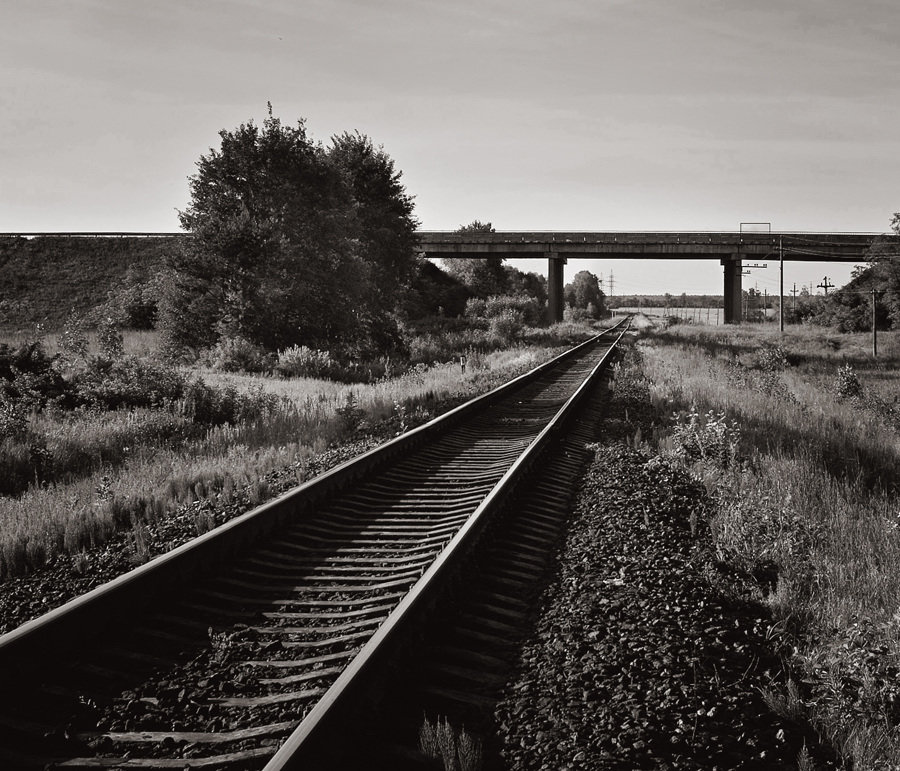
844,247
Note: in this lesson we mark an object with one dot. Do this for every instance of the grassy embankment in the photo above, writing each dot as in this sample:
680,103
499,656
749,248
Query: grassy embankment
102,471
809,507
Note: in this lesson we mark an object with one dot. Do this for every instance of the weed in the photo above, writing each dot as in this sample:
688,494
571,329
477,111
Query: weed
139,543
457,749
848,384
350,414
708,439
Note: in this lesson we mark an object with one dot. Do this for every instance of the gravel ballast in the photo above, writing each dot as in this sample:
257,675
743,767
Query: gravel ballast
641,658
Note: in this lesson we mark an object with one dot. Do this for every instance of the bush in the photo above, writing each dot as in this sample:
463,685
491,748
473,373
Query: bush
237,354
576,315
209,405
501,306
848,384
128,382
301,361
109,337
134,301
73,340
709,438
506,326
13,420
28,376
772,358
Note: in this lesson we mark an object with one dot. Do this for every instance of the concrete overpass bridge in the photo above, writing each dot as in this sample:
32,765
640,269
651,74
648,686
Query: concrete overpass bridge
729,248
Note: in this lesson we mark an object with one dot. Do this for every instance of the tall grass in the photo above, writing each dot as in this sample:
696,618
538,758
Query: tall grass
813,509
128,467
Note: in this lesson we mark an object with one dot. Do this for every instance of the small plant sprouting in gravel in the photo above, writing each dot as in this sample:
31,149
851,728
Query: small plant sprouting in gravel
402,415
204,521
848,384
457,749
222,644
139,543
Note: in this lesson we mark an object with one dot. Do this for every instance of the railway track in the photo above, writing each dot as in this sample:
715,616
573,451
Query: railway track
275,629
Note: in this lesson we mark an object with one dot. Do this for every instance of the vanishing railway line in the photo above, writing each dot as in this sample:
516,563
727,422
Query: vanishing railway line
252,645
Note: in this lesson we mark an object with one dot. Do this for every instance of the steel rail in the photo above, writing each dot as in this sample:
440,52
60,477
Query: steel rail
309,744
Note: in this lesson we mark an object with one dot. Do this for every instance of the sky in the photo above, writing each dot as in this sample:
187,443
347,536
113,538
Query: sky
570,115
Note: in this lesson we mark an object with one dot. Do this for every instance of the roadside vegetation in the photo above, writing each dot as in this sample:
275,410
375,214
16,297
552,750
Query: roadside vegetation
797,438
94,441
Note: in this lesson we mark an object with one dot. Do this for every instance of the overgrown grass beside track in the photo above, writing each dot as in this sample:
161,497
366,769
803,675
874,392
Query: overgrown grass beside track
104,471
797,437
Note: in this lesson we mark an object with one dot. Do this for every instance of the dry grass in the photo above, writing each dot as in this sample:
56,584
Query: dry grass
115,470
814,504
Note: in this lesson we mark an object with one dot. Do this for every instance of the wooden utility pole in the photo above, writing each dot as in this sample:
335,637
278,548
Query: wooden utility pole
874,328
824,285
794,300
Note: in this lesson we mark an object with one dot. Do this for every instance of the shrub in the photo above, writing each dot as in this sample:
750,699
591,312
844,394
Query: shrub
301,361
772,358
134,301
238,354
128,382
848,384
109,337
506,326
351,414
209,405
28,376
73,340
502,306
13,420
576,314
709,438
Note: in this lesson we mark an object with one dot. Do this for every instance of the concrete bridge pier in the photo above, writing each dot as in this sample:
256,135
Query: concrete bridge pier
555,299
733,294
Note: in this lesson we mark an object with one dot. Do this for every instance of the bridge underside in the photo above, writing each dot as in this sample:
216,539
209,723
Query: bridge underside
729,248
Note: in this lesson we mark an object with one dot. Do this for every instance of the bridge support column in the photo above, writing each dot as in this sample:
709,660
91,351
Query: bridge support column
733,294
555,300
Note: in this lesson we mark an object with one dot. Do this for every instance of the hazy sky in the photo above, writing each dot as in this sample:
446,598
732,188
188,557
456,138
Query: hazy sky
573,114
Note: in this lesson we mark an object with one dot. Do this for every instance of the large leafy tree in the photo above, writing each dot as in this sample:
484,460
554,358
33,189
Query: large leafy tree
584,292
483,276
383,228
850,307
292,243
885,267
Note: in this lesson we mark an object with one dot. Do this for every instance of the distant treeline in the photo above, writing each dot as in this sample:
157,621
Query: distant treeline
665,301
